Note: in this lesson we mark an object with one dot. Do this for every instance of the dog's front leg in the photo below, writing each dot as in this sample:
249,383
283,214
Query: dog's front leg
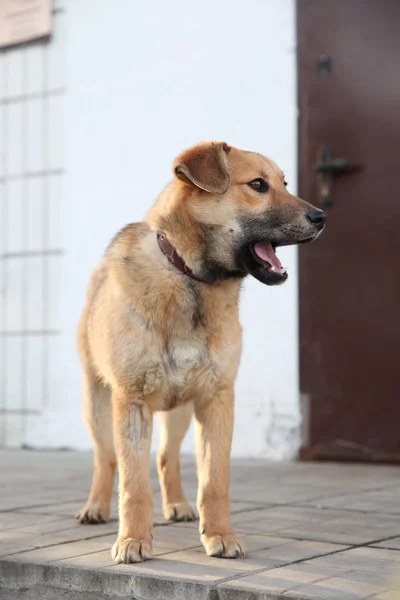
214,438
133,422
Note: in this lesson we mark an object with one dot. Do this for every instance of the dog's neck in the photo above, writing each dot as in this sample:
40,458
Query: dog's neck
192,241
173,257
173,301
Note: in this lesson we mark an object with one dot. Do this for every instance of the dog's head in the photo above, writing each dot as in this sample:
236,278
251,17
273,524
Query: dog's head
238,205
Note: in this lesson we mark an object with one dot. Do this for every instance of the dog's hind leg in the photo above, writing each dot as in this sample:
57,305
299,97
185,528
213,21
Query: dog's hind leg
173,426
97,412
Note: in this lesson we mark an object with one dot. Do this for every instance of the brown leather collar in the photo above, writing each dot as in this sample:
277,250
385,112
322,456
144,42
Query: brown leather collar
169,251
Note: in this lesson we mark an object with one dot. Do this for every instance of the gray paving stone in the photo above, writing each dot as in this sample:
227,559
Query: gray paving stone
327,525
308,580
40,527
390,595
60,551
300,523
10,535
14,520
9,548
335,588
298,550
391,543
63,509
378,501
277,555
17,500
342,531
284,493
67,536
110,582
274,583
40,592
364,559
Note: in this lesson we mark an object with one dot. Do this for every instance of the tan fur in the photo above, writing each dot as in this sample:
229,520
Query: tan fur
151,339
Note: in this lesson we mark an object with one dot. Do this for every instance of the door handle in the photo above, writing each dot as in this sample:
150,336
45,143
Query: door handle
326,168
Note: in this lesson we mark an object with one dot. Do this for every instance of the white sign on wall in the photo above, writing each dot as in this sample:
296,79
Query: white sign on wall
24,21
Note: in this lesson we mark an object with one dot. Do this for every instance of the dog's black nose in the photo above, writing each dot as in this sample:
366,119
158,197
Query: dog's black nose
316,216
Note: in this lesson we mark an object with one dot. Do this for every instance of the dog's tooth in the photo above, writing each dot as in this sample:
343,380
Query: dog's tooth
273,268
283,271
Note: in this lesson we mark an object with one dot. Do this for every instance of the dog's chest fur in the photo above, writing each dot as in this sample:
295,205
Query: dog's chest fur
175,347
178,360
189,369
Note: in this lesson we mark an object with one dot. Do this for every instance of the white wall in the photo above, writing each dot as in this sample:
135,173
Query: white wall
146,80
32,95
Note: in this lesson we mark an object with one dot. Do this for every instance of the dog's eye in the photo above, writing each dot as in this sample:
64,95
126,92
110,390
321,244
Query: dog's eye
285,183
259,185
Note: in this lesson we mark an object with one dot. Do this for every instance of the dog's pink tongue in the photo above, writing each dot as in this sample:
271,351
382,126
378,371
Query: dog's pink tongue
266,252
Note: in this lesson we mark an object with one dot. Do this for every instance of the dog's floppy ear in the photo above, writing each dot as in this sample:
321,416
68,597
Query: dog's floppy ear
205,166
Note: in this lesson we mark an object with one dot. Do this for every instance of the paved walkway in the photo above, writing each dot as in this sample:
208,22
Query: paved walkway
313,531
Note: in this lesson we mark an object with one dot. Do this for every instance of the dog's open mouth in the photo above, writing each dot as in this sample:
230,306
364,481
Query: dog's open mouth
265,252
260,260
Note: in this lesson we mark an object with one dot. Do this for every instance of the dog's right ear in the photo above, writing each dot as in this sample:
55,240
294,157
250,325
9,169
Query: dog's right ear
205,166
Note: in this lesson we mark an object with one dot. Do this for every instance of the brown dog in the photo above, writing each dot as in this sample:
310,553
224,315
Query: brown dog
160,331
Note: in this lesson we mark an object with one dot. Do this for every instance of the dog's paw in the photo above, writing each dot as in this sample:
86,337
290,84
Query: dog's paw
181,511
92,514
129,550
224,546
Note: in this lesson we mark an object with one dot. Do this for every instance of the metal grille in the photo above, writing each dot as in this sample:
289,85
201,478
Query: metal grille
32,94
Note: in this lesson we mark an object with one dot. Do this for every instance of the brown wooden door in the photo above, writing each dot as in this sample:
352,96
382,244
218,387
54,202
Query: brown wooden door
349,96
